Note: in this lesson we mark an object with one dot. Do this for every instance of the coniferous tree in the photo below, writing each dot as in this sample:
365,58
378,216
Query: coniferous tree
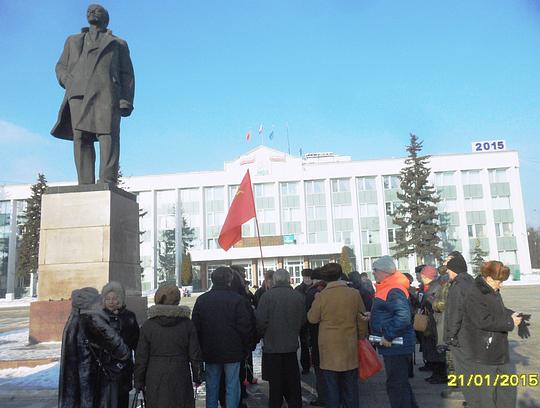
345,260
187,270
167,256
477,255
416,217
28,250
533,235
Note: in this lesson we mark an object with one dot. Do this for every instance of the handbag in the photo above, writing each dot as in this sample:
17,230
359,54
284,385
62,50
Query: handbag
420,322
139,397
369,362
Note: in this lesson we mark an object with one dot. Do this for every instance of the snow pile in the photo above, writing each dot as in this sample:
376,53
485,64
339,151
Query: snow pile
40,377
14,346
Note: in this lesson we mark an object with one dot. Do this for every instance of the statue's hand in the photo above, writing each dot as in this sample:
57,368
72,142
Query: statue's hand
125,108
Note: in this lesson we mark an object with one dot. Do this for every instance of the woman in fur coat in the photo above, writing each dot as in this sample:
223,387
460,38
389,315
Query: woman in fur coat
168,346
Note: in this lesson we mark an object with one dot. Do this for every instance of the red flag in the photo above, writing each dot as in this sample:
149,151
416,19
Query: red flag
242,210
248,135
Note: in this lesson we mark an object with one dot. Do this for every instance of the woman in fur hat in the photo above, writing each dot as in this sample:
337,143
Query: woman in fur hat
92,352
125,323
168,345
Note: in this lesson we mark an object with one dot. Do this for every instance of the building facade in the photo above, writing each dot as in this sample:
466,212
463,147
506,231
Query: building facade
308,208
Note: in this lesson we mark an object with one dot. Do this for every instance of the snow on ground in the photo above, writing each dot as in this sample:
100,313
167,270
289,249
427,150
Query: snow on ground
14,346
24,302
39,377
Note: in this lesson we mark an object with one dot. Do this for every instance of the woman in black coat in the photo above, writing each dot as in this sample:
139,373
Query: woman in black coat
435,359
486,323
125,323
168,345
92,354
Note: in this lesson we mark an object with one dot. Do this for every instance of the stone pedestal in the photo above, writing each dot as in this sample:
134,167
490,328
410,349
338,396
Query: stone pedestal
89,236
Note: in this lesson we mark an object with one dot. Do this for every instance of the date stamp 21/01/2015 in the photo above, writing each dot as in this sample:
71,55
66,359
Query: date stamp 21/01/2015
493,380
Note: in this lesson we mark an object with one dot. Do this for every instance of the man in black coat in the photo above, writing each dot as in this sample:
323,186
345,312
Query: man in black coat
305,358
225,329
460,285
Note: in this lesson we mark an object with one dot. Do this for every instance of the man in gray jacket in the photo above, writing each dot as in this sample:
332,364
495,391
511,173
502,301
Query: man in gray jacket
280,316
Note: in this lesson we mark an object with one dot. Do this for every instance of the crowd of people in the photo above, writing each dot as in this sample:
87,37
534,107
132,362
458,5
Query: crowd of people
459,321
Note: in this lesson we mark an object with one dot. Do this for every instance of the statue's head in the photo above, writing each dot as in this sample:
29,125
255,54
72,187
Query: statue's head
97,15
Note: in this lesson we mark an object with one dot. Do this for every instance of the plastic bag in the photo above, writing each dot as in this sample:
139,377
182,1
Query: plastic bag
369,362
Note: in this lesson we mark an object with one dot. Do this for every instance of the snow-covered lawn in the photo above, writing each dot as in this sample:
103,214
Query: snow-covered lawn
39,377
14,346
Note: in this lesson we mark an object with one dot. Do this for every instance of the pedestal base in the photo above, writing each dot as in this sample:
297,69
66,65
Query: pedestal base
48,318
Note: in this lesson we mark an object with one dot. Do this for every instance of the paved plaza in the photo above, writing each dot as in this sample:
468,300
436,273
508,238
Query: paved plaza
524,353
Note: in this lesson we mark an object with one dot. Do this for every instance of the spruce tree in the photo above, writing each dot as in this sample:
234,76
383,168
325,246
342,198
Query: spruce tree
345,260
187,270
167,256
416,217
477,255
28,251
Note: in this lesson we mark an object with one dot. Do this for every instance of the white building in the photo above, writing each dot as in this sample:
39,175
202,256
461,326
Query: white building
308,209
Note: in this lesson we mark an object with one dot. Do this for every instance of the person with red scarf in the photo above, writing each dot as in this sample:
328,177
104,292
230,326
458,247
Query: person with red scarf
391,318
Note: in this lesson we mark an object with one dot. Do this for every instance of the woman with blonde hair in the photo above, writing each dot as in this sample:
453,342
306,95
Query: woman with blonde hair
486,323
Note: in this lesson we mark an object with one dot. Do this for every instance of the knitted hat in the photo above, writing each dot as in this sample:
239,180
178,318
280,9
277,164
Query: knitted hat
167,295
429,272
385,264
85,298
457,264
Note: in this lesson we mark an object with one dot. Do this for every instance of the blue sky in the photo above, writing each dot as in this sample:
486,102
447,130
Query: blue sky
353,77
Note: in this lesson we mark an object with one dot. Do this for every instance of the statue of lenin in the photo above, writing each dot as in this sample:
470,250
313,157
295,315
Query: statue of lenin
96,71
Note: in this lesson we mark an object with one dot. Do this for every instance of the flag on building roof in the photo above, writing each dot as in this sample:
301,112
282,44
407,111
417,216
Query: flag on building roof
271,135
261,129
241,211
248,135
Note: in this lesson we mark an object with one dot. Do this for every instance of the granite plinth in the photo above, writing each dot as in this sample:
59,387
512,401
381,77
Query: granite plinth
89,236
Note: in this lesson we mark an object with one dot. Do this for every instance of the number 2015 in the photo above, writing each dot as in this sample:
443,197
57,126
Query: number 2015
488,146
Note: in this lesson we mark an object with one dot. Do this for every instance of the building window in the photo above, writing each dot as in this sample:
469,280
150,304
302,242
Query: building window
504,229
476,230
318,262
289,188
316,213
508,257
343,211
501,203
367,263
340,185
343,237
471,177
368,210
213,193
366,183
391,182
474,204
314,186
391,235
391,207
498,176
212,243
370,237
294,267
445,178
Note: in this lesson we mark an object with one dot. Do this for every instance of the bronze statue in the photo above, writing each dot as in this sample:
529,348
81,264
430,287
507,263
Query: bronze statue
96,71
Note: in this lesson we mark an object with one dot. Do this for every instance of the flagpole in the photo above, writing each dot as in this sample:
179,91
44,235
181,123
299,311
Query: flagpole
260,245
288,143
